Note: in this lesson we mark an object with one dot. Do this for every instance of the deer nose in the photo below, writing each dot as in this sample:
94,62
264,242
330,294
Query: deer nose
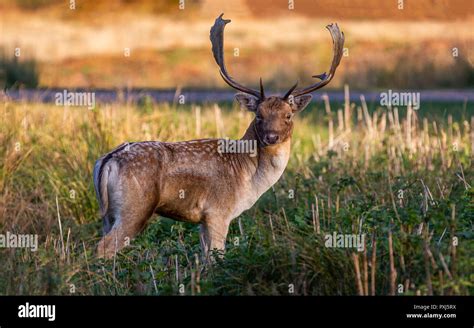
271,138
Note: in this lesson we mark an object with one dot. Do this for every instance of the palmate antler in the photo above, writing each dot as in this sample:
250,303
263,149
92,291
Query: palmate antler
217,40
337,48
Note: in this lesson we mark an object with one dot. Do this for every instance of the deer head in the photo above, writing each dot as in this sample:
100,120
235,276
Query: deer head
273,115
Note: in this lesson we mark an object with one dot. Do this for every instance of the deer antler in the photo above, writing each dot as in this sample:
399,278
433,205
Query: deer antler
338,44
217,40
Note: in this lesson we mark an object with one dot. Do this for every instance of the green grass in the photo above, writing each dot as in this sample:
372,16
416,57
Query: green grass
47,153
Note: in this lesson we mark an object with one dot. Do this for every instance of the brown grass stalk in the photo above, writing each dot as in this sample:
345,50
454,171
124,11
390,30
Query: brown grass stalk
426,259
373,266
347,109
355,259
393,271
366,270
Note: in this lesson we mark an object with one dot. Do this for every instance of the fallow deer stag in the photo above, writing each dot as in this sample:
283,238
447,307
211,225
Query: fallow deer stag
195,181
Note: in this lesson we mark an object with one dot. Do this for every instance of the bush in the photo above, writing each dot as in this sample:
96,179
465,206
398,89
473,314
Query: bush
15,73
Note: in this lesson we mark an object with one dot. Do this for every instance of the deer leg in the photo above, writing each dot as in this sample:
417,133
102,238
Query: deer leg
122,232
129,205
112,242
213,236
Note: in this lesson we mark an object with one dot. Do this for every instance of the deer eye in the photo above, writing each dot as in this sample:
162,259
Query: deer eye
258,118
288,116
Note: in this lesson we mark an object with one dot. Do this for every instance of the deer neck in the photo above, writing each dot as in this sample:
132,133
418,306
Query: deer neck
270,162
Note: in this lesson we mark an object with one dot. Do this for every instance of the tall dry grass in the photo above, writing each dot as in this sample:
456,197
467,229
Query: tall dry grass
403,180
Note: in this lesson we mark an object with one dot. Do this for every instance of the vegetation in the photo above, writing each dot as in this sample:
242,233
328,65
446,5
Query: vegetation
399,178
15,73
169,48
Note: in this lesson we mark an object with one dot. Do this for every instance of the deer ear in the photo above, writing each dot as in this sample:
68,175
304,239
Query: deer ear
300,103
247,101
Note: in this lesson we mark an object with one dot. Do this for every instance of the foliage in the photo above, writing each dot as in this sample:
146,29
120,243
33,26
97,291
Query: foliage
374,178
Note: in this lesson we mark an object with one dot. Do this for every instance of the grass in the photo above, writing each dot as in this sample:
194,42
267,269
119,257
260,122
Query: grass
368,64
395,176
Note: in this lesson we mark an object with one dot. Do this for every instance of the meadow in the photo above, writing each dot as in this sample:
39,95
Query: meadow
401,177
96,46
